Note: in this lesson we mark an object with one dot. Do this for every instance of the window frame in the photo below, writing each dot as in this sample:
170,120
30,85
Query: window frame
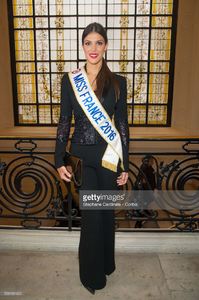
79,61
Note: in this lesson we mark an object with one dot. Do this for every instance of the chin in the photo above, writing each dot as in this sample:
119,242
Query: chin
94,62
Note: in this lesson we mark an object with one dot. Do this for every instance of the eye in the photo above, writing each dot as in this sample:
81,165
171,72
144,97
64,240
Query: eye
87,43
100,43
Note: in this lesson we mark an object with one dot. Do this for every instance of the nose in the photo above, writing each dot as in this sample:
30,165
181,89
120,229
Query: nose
93,46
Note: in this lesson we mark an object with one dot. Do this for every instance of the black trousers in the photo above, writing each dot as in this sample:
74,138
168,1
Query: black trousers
97,237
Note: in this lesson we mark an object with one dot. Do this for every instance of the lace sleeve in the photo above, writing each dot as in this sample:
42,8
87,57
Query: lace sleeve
63,129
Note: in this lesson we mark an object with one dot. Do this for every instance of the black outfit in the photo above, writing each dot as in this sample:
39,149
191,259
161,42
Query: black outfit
97,239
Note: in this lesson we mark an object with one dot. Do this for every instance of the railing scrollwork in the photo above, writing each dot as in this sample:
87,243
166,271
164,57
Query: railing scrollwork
33,196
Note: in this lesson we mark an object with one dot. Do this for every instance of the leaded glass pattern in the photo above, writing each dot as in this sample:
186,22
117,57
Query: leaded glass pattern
46,42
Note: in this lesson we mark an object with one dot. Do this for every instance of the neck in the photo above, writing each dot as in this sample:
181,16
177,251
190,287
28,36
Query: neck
93,69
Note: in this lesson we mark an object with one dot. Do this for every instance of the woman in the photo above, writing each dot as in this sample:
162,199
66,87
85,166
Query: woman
85,92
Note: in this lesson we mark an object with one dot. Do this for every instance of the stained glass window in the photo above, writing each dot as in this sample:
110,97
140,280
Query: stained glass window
46,42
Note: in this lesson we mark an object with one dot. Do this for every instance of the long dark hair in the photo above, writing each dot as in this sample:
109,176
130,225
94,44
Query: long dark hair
105,77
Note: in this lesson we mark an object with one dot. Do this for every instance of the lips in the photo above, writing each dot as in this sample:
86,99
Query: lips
93,55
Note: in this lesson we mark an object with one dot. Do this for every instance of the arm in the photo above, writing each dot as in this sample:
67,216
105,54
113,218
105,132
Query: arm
121,122
63,129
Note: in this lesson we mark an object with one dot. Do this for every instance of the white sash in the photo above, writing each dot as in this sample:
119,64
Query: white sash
98,118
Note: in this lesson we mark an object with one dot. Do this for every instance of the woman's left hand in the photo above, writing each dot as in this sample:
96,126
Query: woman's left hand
122,179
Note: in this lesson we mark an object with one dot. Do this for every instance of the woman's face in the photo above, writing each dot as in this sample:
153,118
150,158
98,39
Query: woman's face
94,47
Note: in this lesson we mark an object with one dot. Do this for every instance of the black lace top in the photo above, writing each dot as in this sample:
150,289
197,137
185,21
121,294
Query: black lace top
84,132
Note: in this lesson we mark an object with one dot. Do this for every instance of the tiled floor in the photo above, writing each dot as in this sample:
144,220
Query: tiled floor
28,275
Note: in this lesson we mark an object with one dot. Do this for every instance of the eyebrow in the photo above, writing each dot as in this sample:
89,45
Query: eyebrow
94,41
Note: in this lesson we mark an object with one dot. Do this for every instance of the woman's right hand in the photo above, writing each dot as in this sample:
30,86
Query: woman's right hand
64,174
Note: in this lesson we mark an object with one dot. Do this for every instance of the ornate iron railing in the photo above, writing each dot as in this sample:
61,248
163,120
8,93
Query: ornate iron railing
33,196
